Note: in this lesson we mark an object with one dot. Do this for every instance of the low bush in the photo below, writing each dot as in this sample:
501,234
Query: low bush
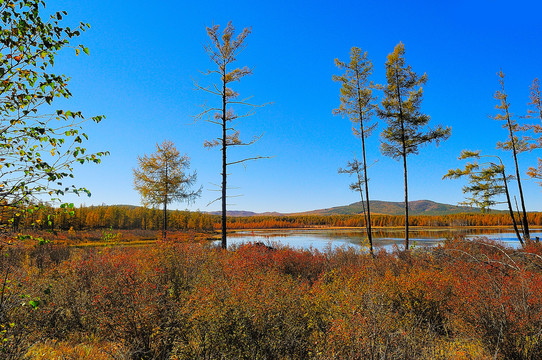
183,300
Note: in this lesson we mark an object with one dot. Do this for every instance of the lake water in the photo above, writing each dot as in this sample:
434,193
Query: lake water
323,239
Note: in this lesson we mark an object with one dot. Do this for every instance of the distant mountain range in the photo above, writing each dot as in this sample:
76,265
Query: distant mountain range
245,213
419,207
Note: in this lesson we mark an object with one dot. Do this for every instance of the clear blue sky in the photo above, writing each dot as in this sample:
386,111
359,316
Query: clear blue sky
144,57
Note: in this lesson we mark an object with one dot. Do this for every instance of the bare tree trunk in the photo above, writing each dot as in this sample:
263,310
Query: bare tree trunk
224,217
514,224
524,219
368,222
406,199
514,152
164,225
224,163
403,143
360,181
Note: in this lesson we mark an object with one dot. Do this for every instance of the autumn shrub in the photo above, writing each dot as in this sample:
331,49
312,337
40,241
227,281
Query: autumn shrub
46,254
52,349
114,295
304,265
243,307
183,264
345,258
15,309
372,309
13,337
499,296
182,300
420,297
130,303
351,316
134,307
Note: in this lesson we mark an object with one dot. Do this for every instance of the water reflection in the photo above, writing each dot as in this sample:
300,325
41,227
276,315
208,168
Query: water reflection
322,239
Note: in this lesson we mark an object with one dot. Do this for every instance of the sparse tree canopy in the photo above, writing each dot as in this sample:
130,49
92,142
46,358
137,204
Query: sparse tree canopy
487,181
355,167
357,103
357,100
401,105
514,144
223,50
38,144
535,112
161,179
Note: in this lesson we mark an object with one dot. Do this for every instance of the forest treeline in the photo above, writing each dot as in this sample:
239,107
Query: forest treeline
124,217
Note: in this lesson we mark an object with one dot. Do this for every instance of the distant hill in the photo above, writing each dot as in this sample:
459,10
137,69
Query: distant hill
245,213
419,207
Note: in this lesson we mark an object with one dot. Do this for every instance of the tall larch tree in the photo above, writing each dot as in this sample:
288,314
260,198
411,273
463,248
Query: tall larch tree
514,144
358,104
161,179
406,130
223,49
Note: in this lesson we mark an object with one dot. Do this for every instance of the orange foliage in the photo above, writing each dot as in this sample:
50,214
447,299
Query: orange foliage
461,300
139,218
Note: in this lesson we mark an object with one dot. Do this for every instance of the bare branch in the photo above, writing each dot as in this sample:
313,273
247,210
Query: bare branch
249,159
215,200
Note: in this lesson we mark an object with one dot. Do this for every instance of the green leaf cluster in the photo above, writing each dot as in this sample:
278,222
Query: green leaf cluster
38,145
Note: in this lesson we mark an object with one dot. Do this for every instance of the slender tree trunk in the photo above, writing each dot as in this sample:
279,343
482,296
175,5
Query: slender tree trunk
362,202
514,224
525,221
524,212
368,221
164,225
514,152
360,181
403,143
406,198
224,163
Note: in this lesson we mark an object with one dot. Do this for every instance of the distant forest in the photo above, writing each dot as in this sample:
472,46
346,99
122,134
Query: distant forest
124,217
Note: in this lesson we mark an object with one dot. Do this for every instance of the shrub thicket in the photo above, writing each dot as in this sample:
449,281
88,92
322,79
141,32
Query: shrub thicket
462,300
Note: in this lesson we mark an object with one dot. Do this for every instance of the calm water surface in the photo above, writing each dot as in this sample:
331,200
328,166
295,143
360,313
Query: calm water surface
323,239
